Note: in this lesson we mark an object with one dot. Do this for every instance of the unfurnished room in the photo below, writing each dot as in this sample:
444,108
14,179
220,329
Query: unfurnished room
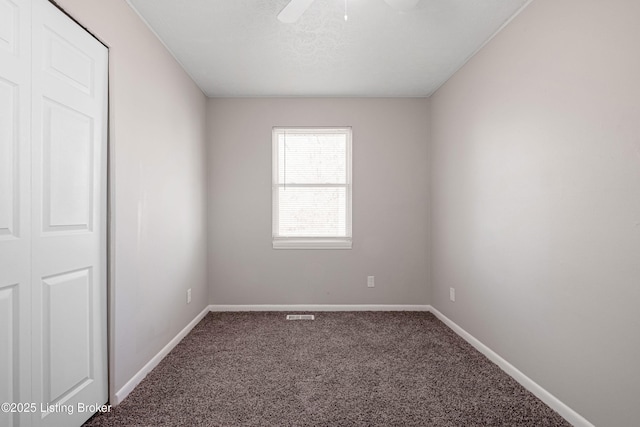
319,213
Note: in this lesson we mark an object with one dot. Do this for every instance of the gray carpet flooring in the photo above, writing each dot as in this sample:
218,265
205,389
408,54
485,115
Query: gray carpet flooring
342,369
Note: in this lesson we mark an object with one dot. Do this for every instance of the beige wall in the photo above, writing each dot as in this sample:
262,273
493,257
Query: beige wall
157,133
390,209
535,201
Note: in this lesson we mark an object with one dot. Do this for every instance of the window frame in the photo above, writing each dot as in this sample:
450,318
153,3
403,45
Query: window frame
310,242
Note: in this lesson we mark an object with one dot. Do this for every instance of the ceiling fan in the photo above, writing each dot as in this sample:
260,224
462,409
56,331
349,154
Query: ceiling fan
296,8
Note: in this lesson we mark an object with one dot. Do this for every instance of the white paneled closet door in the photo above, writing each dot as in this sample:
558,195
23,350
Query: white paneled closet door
53,125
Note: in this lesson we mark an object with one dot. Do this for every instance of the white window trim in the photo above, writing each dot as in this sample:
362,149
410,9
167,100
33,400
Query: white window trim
280,242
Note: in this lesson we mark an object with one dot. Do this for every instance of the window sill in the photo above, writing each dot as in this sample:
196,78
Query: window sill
312,244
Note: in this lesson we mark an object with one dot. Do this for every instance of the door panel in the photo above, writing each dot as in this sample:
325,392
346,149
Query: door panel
9,350
15,227
9,26
67,334
65,61
69,83
67,169
9,168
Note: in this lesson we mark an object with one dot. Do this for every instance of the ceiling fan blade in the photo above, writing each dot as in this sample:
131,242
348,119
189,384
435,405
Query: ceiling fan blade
294,10
402,5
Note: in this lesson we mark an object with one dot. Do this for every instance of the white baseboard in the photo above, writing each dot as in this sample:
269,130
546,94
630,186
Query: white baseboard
139,376
320,307
549,399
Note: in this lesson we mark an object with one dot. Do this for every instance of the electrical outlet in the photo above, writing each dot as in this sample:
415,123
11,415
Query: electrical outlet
452,294
189,296
371,282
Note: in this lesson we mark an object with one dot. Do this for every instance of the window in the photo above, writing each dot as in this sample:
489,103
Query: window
311,188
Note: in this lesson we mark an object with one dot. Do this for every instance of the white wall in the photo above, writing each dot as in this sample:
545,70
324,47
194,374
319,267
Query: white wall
390,209
157,145
535,201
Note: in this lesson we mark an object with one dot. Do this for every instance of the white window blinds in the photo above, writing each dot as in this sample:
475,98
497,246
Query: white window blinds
311,188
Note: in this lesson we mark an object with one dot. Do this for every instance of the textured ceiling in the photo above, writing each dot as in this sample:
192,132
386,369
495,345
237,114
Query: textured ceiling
239,48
